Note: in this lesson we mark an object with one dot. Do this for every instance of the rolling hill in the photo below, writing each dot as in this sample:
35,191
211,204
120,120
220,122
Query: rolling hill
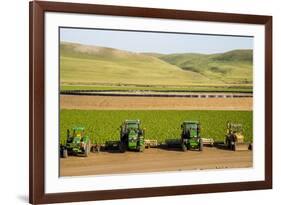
230,67
83,64
91,64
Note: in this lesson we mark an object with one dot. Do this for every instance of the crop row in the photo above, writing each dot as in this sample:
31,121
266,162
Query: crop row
103,125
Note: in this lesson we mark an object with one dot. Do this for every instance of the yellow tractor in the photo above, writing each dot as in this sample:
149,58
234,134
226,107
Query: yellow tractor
234,139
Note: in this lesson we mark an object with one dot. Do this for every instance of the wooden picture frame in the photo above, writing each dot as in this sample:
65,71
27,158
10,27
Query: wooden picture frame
37,193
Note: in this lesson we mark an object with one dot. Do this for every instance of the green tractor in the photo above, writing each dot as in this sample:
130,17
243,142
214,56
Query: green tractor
131,136
190,136
77,143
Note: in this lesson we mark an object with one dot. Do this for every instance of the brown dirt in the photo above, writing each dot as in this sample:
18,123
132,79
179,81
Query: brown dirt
154,160
153,103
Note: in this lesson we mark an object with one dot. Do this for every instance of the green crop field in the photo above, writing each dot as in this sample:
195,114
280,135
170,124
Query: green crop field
103,125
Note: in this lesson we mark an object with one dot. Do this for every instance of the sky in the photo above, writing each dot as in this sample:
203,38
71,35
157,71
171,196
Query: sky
165,43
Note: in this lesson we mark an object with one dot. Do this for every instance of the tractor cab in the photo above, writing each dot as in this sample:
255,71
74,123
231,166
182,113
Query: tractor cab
234,128
132,124
190,137
190,129
77,133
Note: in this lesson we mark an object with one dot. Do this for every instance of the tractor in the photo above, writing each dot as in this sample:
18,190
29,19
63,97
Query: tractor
77,143
131,136
234,138
190,136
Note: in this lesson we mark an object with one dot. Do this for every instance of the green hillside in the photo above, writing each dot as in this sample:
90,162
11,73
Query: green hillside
94,65
81,64
230,67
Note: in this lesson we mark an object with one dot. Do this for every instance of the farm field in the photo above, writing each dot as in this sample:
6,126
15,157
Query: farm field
81,102
154,160
193,88
103,125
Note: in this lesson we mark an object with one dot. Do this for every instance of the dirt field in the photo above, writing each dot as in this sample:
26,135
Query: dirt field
157,103
154,160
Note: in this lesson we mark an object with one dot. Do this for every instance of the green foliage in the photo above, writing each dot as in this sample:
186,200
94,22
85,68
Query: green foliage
235,55
231,67
103,125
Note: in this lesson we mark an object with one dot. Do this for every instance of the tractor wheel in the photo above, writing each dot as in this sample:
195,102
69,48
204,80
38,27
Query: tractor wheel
98,148
200,145
121,147
184,148
87,150
64,153
140,148
250,146
234,147
228,143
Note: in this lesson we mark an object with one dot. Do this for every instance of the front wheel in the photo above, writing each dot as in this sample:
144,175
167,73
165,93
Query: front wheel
184,147
87,150
140,148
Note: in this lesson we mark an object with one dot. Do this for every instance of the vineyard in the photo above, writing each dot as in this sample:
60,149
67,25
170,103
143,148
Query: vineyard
103,125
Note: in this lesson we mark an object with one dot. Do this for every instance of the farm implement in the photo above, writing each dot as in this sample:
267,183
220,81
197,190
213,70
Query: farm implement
77,143
208,142
150,143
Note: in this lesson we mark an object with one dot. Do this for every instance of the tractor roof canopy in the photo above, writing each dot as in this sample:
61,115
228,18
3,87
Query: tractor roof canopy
190,125
190,122
134,124
132,121
235,127
78,129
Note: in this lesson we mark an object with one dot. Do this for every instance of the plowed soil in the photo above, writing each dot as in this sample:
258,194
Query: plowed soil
153,103
154,160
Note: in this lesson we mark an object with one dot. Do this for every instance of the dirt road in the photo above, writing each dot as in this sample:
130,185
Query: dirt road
153,103
154,160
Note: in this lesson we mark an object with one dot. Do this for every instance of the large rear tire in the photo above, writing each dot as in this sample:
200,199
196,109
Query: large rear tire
87,150
228,143
234,147
64,153
184,147
200,145
122,147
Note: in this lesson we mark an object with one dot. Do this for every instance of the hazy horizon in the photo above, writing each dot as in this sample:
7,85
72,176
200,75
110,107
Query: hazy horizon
154,52
155,42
